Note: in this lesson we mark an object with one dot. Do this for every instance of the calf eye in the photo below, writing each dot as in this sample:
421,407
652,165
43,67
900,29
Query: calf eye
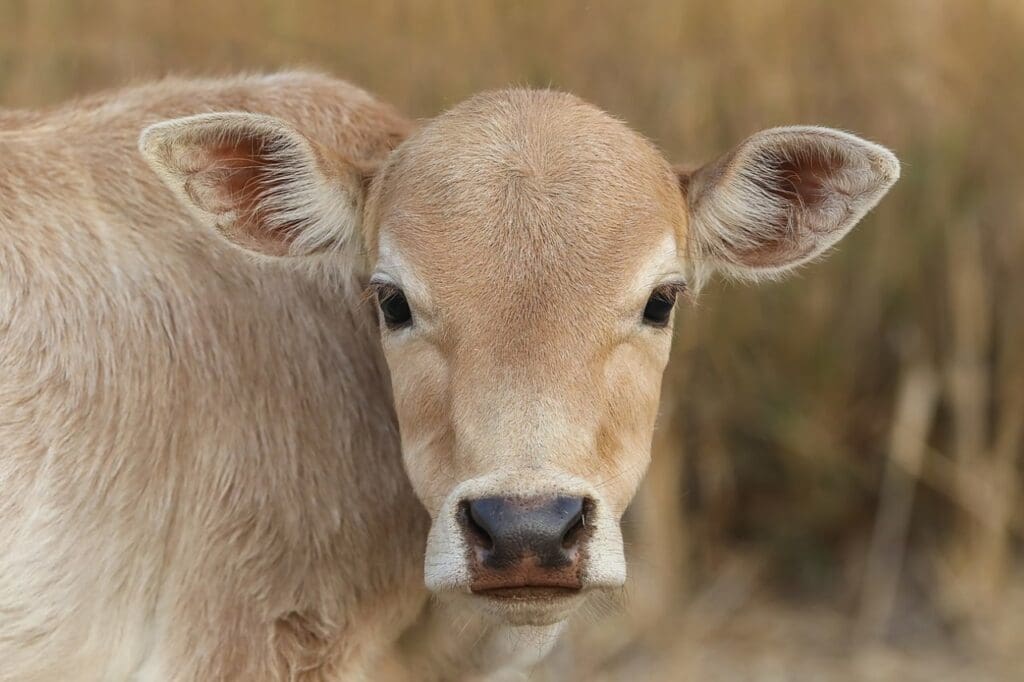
394,307
659,306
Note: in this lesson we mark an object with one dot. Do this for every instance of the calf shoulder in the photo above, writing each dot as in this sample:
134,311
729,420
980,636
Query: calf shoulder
200,466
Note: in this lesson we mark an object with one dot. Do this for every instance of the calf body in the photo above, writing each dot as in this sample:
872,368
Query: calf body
200,458
199,465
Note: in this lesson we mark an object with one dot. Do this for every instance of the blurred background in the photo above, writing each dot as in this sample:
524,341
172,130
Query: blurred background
836,492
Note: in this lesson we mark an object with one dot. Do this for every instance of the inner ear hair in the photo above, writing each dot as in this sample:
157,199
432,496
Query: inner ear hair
263,185
783,197
241,184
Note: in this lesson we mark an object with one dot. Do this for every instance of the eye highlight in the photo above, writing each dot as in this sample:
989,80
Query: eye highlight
394,307
658,310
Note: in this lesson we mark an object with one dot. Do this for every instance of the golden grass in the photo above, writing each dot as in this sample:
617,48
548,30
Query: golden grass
837,488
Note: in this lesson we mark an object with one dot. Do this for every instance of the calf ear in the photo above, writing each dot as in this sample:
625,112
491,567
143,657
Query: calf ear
257,181
783,197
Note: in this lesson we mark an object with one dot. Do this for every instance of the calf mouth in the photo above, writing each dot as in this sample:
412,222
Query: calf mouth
529,593
537,605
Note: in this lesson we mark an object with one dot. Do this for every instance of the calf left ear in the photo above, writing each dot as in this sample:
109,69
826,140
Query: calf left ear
783,197
260,183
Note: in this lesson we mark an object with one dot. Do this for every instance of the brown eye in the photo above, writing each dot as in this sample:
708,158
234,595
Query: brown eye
659,306
394,308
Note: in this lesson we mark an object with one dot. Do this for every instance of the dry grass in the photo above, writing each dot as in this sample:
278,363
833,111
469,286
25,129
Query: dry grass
836,489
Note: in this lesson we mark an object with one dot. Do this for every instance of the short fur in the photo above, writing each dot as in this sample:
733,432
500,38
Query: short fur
201,466
199,463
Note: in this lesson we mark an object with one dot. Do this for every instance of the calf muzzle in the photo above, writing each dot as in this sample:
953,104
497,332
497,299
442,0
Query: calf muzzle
525,546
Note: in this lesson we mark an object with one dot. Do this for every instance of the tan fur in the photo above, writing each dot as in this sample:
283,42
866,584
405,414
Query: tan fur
548,213
200,454
199,464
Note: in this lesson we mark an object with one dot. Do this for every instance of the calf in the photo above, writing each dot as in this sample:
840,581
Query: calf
208,351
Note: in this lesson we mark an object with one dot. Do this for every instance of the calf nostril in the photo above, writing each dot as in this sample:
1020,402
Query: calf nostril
475,525
576,524
574,531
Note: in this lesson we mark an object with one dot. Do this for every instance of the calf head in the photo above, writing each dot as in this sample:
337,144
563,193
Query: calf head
526,252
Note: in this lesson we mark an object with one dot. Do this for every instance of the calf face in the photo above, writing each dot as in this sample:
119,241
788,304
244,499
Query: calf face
526,252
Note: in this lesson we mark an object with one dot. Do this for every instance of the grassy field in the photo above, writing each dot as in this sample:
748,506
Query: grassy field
838,471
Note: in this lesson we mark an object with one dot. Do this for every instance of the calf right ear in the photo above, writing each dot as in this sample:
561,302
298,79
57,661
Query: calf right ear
782,198
259,182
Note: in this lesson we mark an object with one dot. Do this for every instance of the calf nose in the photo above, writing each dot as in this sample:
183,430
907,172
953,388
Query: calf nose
505,532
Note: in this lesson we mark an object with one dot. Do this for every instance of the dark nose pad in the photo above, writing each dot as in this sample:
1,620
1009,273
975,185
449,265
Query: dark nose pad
506,530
